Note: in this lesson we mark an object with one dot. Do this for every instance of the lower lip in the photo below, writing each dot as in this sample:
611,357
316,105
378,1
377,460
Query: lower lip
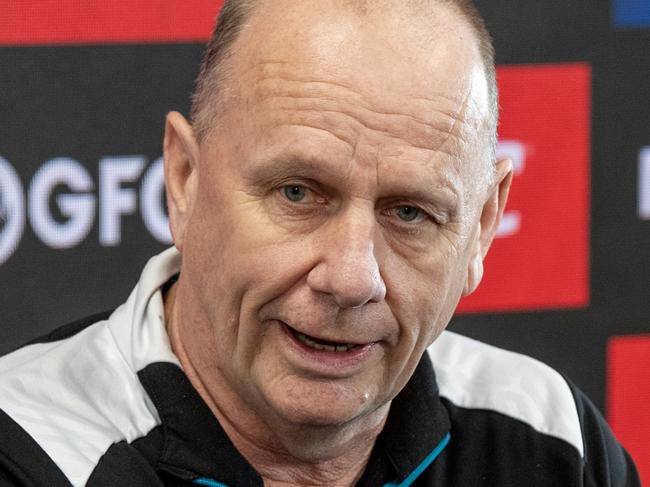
326,361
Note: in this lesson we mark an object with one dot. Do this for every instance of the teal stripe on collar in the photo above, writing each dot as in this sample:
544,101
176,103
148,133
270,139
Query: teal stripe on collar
208,482
430,458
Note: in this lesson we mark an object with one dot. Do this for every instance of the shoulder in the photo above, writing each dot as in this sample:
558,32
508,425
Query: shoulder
68,397
472,374
523,394
77,391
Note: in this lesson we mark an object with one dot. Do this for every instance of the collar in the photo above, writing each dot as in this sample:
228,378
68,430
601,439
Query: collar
417,423
196,446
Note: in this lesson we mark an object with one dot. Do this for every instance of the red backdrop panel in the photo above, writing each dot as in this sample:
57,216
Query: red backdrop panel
541,259
628,396
115,21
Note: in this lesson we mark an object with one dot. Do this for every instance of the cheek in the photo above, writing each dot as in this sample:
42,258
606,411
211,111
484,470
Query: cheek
239,259
424,296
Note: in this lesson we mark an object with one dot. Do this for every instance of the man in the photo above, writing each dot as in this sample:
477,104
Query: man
330,203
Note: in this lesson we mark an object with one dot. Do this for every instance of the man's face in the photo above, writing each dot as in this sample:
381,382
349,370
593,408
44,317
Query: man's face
336,209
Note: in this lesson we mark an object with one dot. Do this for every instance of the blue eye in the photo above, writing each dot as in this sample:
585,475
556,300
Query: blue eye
295,192
408,213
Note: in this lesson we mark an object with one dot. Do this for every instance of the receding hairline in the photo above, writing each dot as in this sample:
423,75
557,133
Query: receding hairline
215,77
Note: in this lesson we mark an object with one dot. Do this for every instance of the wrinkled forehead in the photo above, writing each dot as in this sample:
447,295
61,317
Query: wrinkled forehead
411,88
389,49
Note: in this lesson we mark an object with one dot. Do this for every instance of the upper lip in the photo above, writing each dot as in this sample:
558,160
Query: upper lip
328,339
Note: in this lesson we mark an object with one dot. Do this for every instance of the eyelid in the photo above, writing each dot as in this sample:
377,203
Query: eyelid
312,195
294,181
426,213
422,214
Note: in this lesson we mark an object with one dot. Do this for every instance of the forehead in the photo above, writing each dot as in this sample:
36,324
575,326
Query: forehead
407,84
390,49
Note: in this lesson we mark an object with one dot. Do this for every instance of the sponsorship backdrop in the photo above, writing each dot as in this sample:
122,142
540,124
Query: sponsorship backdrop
84,88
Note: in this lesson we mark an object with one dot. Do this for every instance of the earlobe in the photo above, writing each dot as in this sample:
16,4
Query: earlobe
181,155
474,274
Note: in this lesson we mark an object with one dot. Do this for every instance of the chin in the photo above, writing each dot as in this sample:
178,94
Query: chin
313,433
320,405
318,414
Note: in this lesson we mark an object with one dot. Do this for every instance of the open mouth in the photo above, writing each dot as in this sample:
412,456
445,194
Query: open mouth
320,344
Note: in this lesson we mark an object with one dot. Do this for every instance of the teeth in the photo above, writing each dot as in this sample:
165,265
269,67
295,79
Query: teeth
322,346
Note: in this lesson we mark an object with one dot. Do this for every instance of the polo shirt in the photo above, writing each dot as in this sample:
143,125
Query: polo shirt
105,402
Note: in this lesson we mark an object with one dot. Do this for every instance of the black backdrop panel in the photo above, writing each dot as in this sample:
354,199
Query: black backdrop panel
86,104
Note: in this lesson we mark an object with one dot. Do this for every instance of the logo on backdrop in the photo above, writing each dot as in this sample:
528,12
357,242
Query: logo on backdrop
79,204
12,210
541,260
644,184
83,202
631,13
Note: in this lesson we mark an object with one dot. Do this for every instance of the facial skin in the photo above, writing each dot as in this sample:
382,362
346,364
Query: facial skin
344,195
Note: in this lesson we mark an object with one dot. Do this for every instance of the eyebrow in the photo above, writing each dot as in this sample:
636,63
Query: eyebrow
440,200
268,168
427,184
440,195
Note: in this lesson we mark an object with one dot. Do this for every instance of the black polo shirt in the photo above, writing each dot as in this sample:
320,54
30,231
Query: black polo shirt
104,402
191,445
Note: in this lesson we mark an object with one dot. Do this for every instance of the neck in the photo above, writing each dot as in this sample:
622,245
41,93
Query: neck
283,454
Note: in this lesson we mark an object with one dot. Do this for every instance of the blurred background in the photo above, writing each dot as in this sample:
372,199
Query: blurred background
85,86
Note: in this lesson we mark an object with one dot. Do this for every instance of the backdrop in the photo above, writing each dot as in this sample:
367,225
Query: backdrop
84,88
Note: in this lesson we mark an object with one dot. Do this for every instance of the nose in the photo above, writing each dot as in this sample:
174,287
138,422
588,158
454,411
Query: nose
348,269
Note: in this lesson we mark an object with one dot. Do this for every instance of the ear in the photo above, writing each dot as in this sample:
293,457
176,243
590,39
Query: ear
181,155
488,224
